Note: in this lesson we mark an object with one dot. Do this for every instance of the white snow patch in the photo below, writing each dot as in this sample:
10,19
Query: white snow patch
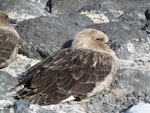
140,108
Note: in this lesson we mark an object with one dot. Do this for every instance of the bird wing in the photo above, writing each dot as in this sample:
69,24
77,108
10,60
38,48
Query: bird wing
65,73
8,42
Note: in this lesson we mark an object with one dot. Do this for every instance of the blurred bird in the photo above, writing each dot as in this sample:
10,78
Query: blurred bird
83,70
147,22
9,41
147,14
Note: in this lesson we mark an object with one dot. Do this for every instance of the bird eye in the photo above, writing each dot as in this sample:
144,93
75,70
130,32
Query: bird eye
5,17
101,39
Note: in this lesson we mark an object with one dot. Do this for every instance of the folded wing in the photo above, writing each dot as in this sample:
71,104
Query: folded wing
8,47
65,73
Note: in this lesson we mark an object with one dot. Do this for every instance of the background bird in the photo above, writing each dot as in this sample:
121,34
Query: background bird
9,41
83,70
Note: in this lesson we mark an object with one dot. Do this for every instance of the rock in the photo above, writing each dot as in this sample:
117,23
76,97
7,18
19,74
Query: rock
96,13
65,7
25,9
6,83
20,64
80,19
44,35
147,26
25,107
128,45
131,84
128,88
22,106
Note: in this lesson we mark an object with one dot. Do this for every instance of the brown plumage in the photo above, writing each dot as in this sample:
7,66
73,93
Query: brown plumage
85,69
9,41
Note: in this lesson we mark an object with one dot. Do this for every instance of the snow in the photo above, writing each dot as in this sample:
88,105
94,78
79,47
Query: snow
140,108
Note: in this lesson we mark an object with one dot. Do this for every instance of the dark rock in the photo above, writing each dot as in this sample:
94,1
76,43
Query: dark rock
92,7
147,14
129,10
42,51
44,35
21,106
133,80
65,7
134,15
147,26
80,20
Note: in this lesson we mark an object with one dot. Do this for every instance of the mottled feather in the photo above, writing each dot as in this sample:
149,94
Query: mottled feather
85,69
9,41
7,44
66,72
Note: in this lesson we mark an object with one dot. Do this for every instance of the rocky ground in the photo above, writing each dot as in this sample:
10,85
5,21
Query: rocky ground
46,26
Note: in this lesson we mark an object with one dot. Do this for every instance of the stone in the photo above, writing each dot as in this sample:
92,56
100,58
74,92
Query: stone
43,35
25,9
80,19
6,83
129,40
65,7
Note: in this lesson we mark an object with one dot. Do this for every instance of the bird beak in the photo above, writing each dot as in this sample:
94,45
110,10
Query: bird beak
110,42
12,21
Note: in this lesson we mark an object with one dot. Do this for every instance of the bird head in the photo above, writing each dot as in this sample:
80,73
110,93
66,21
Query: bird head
4,19
91,39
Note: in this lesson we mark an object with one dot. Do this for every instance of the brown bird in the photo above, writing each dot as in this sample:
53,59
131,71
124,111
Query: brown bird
85,69
9,41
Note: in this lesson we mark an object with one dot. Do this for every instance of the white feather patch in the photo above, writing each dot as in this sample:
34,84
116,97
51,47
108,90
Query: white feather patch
69,99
